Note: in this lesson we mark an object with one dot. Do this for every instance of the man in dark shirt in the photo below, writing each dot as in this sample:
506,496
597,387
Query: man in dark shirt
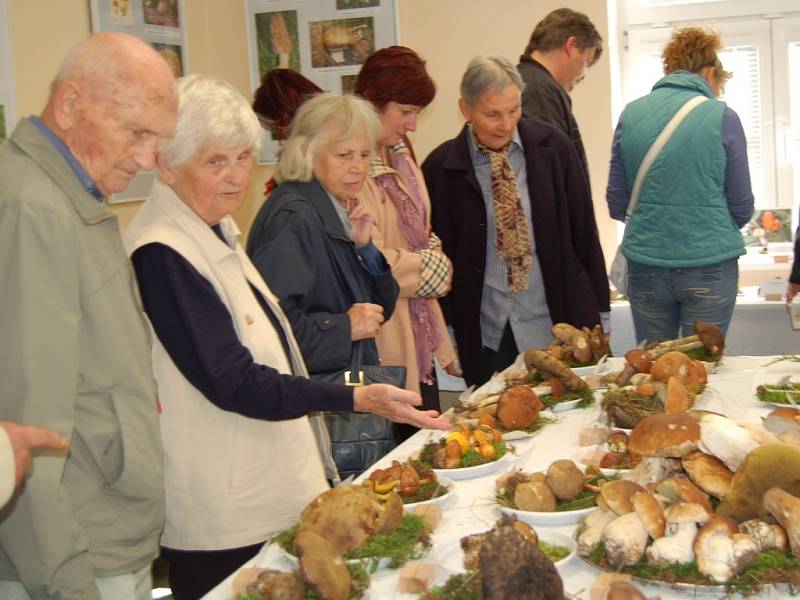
562,45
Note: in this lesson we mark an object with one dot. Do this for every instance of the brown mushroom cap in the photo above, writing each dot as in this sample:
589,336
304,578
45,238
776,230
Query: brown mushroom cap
683,490
763,468
565,479
322,567
686,512
649,511
618,495
708,473
711,336
677,364
665,435
534,496
639,360
518,407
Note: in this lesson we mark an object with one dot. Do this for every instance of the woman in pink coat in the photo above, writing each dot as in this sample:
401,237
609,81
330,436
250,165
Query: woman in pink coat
394,79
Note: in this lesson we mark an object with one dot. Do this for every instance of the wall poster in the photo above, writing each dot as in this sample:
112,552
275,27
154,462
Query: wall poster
8,114
325,40
160,23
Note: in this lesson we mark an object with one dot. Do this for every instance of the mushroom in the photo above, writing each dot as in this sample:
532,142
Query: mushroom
711,336
649,510
708,473
534,496
767,536
651,469
665,435
723,438
617,495
625,539
677,364
782,419
518,407
676,546
721,551
322,566
565,479
773,465
591,530
680,489
786,509
678,398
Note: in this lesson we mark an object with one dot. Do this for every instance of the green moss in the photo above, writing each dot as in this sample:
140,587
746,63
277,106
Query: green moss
585,396
703,354
553,551
466,586
771,566
409,541
786,393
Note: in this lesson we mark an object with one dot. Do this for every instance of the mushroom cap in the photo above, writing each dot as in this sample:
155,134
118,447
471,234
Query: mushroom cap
711,336
708,473
665,435
565,479
650,512
773,465
518,407
677,364
639,360
618,495
686,512
322,566
681,489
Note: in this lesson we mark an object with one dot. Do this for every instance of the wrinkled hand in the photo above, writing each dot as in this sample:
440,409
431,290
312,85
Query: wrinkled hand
25,438
361,221
792,289
396,405
365,320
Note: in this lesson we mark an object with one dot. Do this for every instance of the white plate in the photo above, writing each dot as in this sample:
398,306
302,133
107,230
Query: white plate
583,371
567,517
477,470
450,556
443,499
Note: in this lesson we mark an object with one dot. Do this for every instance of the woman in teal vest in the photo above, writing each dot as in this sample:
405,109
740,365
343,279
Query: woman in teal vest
682,241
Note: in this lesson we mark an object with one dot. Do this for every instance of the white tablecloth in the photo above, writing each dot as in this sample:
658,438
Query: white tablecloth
472,509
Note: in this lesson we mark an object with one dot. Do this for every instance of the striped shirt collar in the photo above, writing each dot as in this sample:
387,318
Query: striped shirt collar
59,145
378,166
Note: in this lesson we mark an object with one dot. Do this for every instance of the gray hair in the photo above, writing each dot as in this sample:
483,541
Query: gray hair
488,73
324,119
210,110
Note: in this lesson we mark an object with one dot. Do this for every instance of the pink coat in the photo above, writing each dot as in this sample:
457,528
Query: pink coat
396,340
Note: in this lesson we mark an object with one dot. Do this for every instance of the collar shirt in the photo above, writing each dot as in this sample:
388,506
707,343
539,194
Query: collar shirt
526,310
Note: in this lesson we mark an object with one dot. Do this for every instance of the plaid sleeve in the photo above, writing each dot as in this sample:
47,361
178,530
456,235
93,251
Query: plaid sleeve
436,273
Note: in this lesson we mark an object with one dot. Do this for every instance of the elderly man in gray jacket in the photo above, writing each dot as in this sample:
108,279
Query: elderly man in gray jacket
76,345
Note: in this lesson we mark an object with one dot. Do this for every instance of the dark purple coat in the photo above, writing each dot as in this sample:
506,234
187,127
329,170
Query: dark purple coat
567,243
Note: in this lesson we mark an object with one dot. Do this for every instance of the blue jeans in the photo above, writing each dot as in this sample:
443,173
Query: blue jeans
666,301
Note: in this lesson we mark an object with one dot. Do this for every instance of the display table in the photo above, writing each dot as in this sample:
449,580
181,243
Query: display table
472,508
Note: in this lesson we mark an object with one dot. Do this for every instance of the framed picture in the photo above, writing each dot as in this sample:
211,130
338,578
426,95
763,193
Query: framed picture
768,226
160,23
325,40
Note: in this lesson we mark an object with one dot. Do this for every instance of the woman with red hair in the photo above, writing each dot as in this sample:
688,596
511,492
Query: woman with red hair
395,81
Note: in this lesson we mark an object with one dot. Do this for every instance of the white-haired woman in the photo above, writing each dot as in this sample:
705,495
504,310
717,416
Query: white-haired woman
241,459
311,241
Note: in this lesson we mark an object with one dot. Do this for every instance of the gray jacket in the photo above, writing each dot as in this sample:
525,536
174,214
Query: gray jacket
75,357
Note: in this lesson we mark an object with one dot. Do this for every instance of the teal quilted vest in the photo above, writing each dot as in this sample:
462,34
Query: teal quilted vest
682,218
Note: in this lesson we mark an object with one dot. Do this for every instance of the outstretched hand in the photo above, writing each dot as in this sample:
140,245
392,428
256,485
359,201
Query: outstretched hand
397,405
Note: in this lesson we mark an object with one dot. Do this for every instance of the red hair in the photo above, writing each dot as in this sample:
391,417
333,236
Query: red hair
281,93
395,74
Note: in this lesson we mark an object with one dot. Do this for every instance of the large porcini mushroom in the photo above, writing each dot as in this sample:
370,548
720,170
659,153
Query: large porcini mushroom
649,510
767,536
625,539
534,496
518,407
786,509
664,435
545,363
708,473
676,546
322,566
722,552
773,465
711,336
724,438
676,364
680,489
346,516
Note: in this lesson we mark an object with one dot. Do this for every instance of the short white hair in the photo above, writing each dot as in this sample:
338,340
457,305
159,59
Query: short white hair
210,110
326,118
488,73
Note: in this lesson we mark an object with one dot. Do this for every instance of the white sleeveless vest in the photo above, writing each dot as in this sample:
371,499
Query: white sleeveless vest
231,481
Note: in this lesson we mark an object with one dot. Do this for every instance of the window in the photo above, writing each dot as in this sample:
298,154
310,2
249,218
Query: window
761,51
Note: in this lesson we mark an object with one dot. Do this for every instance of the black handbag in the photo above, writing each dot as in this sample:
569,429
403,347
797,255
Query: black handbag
359,439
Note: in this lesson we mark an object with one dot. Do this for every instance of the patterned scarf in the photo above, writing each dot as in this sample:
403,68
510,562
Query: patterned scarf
413,225
513,240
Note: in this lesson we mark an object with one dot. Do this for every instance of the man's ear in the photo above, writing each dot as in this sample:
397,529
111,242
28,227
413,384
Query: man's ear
66,104
165,173
571,45
465,109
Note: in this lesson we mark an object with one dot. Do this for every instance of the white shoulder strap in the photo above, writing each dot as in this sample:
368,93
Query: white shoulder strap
655,149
